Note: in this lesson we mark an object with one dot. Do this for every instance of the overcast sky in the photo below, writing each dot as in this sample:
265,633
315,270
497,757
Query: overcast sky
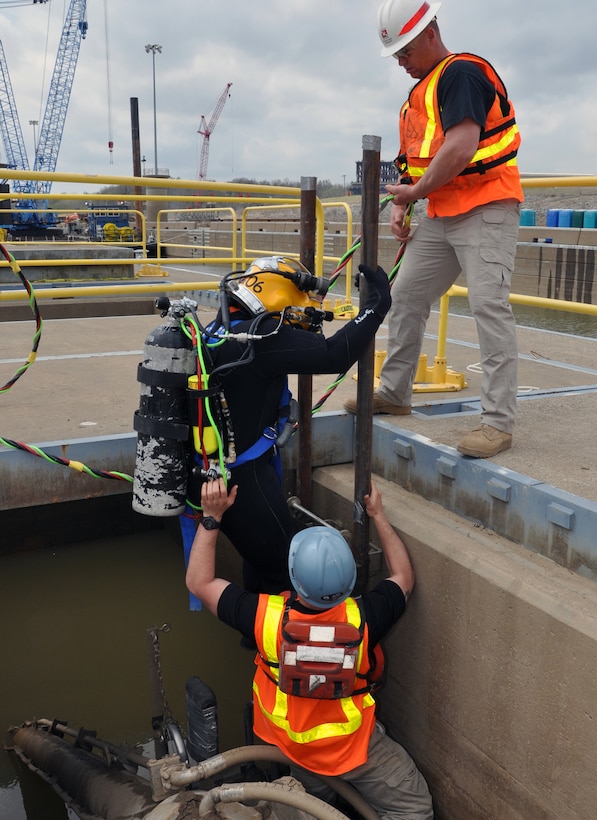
307,82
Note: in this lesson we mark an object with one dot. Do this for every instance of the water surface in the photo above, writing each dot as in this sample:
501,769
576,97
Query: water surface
75,648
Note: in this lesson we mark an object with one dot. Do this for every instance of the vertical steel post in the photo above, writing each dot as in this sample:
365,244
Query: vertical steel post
136,157
364,417
304,449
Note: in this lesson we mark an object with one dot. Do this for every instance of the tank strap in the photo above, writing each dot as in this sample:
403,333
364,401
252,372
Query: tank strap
161,378
160,429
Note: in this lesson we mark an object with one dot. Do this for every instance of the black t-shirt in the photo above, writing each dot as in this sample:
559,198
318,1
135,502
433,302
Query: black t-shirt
253,388
464,91
383,606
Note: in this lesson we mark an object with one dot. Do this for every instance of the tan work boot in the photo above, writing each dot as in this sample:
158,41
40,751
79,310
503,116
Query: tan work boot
380,406
484,441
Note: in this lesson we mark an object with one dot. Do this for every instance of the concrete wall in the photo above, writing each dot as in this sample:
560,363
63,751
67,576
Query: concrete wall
492,683
561,269
492,670
52,252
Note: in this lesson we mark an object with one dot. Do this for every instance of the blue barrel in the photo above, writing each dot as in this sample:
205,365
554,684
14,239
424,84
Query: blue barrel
528,217
552,218
590,219
565,218
578,218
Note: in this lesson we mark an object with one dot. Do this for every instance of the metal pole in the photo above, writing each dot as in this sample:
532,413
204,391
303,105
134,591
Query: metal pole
154,48
155,120
136,158
304,447
364,417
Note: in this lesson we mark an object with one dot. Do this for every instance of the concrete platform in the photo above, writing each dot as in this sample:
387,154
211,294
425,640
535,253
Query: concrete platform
82,391
83,384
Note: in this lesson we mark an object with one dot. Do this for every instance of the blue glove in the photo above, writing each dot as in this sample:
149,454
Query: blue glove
378,290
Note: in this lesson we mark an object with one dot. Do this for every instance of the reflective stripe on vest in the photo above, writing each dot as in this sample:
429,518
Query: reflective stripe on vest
349,714
421,136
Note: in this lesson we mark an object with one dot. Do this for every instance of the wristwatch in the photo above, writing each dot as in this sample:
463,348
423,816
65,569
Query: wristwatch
210,523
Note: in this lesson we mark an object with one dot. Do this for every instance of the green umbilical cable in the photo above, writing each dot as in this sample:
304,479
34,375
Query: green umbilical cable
38,320
65,462
343,261
30,448
203,377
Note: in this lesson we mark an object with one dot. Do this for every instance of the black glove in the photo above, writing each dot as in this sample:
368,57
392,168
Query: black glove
378,290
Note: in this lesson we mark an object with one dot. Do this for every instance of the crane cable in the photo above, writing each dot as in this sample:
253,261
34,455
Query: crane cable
108,82
29,448
43,76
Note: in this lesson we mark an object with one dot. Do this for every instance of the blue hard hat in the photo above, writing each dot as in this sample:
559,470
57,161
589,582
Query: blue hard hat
322,567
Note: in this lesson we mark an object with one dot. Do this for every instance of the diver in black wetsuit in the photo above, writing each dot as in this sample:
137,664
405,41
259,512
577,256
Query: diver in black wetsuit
260,521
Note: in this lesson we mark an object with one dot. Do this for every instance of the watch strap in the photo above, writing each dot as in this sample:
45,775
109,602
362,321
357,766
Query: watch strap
210,523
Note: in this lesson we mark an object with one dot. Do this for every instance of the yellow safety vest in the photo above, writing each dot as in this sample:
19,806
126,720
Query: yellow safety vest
492,174
329,737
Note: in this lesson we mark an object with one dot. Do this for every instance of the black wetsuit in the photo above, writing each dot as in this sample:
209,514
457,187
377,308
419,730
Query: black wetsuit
259,523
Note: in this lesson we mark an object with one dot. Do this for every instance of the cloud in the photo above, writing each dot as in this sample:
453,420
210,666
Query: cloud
307,82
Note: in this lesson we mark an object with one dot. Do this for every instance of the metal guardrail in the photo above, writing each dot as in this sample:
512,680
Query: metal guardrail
219,196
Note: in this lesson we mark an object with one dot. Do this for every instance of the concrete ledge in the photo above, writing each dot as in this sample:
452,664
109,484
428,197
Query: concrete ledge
65,308
536,515
27,480
492,670
543,518
40,258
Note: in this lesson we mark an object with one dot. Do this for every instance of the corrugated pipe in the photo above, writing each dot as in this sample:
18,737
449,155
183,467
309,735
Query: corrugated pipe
176,777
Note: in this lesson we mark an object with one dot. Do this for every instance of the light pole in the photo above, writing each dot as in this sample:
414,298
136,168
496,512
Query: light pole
344,182
154,48
34,123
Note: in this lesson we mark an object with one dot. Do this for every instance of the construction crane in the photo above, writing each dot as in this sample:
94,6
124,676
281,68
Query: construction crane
50,134
206,130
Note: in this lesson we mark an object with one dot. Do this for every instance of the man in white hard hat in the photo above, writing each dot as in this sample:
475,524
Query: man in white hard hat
458,147
319,661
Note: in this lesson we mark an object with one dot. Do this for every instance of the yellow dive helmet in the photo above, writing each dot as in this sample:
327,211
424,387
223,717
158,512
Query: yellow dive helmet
277,284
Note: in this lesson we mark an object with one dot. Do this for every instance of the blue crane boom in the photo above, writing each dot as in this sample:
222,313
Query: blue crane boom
52,127
50,134
10,126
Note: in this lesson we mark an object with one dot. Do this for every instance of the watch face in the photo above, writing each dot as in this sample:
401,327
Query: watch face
210,523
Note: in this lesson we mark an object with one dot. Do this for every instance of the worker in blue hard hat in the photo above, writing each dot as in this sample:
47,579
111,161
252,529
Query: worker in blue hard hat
319,661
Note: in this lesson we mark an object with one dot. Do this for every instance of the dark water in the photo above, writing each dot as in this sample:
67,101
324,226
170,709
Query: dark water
74,647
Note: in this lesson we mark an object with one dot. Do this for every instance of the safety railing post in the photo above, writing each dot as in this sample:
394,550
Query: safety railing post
304,448
364,416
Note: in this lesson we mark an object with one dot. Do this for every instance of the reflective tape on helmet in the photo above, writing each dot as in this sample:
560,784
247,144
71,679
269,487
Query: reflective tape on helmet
410,24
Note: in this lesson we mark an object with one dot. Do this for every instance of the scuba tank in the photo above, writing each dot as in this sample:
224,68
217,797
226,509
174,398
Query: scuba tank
161,422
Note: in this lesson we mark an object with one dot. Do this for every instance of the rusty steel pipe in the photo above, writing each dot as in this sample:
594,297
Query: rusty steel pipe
364,416
304,448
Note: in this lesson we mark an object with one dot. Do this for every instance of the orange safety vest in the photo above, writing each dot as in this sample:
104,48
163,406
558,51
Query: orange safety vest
328,736
492,174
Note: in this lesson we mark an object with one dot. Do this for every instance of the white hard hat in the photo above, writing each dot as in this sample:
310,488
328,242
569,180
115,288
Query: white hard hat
400,21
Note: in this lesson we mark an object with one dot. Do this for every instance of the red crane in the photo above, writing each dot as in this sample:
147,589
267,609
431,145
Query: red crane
206,130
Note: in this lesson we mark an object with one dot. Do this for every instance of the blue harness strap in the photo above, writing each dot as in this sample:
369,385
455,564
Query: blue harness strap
269,437
266,442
